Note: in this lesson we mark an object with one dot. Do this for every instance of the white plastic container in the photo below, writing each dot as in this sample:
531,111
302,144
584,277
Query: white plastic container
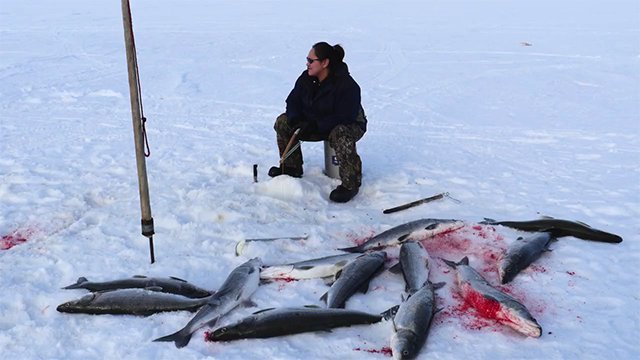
331,163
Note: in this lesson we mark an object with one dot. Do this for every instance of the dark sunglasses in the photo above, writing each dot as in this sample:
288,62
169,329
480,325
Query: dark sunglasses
310,60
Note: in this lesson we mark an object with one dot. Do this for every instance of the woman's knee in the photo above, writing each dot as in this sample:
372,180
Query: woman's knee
281,125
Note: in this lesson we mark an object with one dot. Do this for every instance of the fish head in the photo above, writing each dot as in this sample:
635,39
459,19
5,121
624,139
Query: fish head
233,331
76,305
522,321
434,227
405,345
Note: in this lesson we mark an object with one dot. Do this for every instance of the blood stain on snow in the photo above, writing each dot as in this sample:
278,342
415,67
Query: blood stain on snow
384,351
17,237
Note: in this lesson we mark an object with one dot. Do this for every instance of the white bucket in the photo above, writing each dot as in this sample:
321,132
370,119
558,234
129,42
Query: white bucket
331,163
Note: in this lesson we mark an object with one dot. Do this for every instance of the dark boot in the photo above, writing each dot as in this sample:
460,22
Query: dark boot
342,194
291,171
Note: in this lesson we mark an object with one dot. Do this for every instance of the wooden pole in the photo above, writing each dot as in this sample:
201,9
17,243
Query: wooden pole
138,136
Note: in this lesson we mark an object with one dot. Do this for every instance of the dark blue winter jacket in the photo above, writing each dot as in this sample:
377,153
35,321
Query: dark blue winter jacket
334,101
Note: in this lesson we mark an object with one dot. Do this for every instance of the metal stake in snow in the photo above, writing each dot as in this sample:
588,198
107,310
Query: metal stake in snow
139,132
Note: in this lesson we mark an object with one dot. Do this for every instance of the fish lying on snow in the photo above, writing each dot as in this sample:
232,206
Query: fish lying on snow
491,302
171,285
241,283
414,265
559,228
411,231
325,267
131,302
522,253
412,321
285,321
353,277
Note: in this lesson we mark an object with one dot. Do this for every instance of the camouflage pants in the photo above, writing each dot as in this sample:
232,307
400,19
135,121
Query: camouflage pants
342,139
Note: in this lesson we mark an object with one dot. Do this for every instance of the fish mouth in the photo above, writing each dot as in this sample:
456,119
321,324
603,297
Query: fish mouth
524,325
442,228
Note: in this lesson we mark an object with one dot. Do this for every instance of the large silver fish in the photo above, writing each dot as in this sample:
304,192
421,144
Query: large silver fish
285,321
522,253
241,283
412,321
131,302
492,303
324,267
414,265
559,228
411,231
353,277
171,285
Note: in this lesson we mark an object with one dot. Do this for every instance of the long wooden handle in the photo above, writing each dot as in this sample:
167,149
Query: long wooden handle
414,203
293,139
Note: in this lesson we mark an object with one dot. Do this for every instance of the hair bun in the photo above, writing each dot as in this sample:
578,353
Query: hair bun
338,53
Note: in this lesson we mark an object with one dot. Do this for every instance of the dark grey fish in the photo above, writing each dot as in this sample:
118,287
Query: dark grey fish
411,231
414,265
412,321
353,277
171,285
286,321
522,253
131,302
241,283
559,228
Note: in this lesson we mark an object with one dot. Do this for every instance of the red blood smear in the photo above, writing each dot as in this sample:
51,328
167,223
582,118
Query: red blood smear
385,351
11,240
359,239
487,308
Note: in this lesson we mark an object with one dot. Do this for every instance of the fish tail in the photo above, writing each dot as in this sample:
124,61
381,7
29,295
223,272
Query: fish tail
78,284
453,264
353,249
180,338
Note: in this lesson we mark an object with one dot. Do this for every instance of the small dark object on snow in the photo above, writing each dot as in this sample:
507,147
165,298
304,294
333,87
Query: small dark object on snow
277,171
341,194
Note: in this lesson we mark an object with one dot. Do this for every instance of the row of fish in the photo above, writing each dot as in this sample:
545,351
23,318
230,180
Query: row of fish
347,273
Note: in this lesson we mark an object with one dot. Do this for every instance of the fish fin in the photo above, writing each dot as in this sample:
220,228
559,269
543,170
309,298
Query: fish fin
583,224
364,287
248,303
452,264
78,284
178,279
439,285
464,261
397,268
324,297
338,274
390,313
154,288
329,280
181,338
353,249
263,310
